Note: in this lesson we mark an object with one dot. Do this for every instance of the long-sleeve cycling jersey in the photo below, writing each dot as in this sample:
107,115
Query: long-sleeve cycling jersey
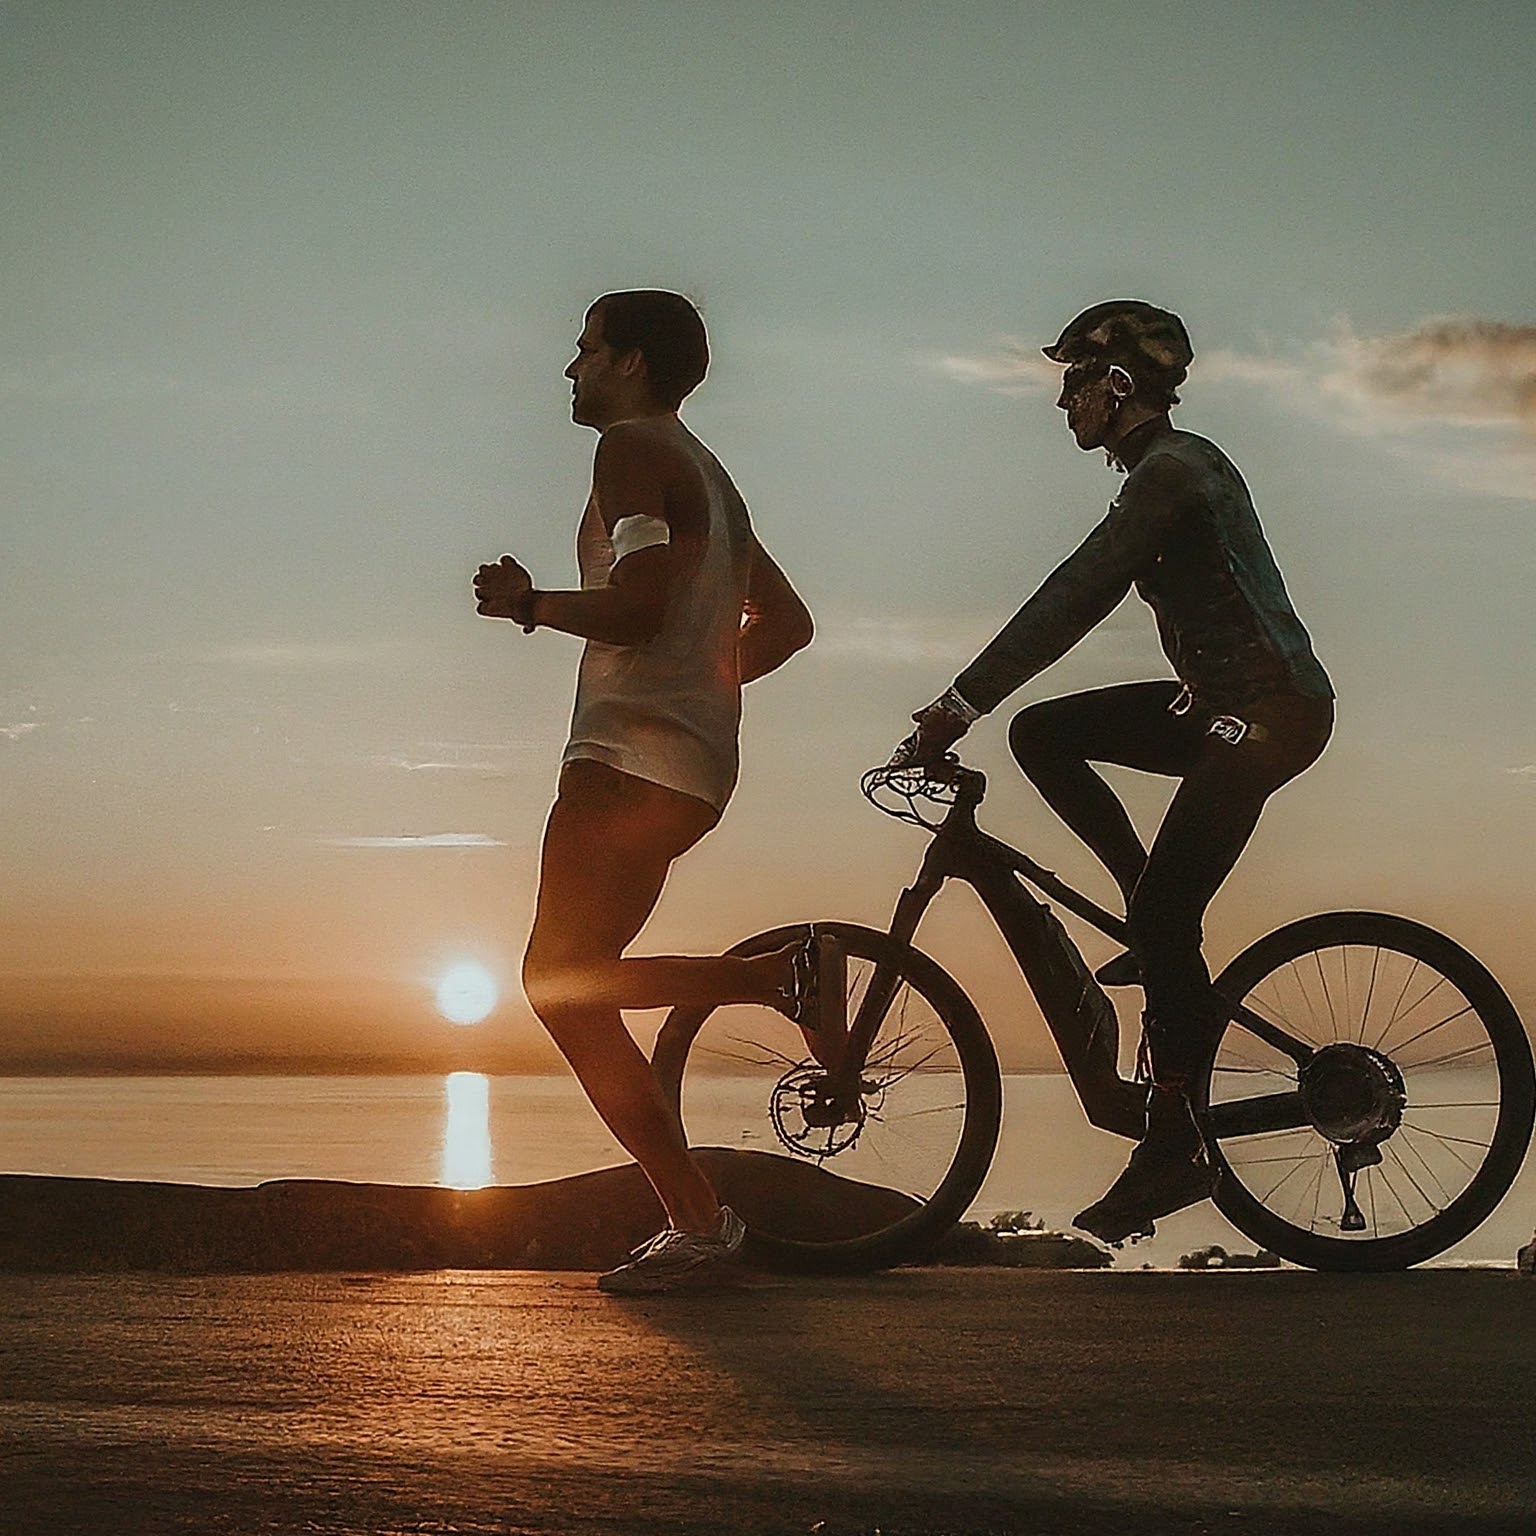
1182,530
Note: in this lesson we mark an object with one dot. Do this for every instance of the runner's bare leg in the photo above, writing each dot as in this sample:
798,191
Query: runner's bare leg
608,846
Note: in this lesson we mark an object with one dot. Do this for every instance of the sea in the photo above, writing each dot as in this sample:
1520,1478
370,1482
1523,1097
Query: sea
468,1130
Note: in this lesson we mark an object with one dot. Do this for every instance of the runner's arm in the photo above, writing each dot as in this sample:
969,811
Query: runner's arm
775,623
633,476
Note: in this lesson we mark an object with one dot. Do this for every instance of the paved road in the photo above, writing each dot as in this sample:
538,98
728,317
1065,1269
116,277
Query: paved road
954,1401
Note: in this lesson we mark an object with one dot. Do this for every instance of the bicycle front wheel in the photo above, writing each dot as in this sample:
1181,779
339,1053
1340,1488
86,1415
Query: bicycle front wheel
830,1182
1378,1102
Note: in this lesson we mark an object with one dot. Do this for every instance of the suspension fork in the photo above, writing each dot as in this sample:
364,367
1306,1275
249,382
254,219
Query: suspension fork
913,902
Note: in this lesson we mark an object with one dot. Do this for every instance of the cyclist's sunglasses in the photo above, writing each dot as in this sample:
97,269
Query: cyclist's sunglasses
1077,375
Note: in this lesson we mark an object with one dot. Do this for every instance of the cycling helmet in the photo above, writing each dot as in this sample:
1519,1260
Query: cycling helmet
1128,332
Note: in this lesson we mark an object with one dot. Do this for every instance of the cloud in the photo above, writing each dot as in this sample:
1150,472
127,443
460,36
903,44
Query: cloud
1010,366
1525,770
1463,372
1013,367
1432,387
483,770
19,729
1458,370
1222,365
486,760
416,840
1457,396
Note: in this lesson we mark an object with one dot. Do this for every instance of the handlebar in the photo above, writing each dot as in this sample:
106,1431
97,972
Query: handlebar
897,787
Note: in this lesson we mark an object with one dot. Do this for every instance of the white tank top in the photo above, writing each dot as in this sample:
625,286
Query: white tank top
669,710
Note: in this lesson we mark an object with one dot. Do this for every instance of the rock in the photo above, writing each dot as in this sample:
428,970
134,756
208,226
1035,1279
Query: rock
1034,1248
1217,1257
589,1221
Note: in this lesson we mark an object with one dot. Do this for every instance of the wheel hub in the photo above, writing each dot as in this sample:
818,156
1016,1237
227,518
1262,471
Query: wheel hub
812,1116
1354,1096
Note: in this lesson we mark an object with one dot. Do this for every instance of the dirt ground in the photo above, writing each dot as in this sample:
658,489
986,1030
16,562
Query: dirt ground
915,1403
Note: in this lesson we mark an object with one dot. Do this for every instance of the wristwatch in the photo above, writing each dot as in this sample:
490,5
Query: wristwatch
524,610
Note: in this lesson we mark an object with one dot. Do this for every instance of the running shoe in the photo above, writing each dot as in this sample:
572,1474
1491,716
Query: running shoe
679,1261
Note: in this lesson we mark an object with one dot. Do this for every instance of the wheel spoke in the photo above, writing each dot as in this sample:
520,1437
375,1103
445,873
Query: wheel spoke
1250,1144
1405,1144
917,1066
1392,1188
1271,1033
1450,1018
1298,1164
1402,993
932,1109
755,1053
1327,995
1258,1162
1450,1143
1317,1195
1481,1048
1370,991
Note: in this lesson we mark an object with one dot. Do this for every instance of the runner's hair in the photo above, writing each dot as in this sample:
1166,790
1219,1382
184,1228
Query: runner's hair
665,329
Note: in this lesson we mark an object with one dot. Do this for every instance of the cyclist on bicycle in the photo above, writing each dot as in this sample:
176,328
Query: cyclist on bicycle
1248,709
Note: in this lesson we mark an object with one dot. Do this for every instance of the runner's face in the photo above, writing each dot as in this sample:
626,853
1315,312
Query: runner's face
1089,402
599,383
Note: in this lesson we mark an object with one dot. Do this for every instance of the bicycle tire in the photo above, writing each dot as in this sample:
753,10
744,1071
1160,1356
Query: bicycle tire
960,1057
1463,1070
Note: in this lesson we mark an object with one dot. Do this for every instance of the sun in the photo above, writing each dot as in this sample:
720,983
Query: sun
466,993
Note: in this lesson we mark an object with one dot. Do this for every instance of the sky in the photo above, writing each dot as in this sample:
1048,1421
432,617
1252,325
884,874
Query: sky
289,292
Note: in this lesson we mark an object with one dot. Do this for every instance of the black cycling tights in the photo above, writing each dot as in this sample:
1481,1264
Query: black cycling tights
1207,825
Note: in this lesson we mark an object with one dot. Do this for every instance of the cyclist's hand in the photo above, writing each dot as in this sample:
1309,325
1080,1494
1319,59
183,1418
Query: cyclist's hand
939,726
905,754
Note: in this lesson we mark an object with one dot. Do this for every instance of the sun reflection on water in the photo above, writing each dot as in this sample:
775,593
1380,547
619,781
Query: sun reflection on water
467,1131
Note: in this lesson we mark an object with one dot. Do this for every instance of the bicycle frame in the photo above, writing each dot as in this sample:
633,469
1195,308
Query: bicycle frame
997,872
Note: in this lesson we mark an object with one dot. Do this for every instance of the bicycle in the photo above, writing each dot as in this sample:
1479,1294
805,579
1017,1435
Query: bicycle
1369,1101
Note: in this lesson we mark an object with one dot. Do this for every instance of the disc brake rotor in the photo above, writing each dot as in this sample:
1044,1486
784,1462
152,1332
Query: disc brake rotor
811,1117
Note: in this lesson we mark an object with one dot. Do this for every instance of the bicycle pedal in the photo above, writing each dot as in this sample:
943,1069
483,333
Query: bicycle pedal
1092,1221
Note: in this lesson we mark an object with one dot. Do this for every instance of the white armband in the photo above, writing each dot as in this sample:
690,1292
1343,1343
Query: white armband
632,534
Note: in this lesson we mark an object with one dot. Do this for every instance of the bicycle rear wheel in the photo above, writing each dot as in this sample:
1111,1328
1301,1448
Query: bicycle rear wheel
840,1186
1384,1106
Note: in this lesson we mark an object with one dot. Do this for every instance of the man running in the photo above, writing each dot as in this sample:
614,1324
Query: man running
1250,707
679,605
